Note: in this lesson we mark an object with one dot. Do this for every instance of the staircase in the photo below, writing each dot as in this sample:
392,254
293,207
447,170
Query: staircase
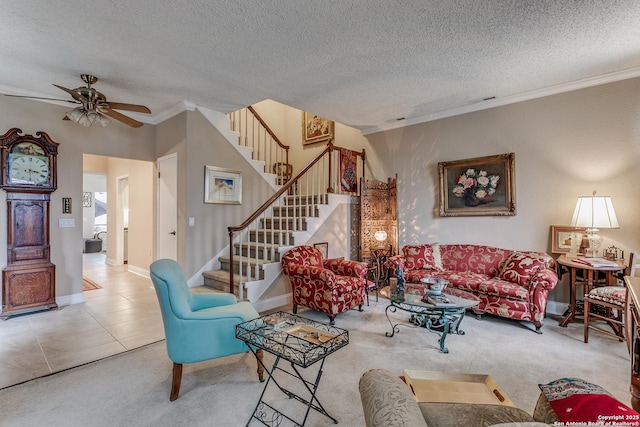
264,245
289,217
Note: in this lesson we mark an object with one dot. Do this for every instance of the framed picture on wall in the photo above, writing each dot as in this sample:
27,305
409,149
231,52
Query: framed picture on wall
478,186
324,248
316,129
222,185
562,237
86,199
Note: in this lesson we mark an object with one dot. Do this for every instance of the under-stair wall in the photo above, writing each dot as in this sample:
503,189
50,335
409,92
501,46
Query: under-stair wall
204,144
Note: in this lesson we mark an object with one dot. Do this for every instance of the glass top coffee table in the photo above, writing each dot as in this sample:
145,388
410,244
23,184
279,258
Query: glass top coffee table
440,316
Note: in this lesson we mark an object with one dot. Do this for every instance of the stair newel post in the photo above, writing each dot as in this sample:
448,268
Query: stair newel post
330,183
230,261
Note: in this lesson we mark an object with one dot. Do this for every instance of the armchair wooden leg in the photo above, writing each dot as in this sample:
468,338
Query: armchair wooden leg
260,359
177,380
332,319
360,307
295,308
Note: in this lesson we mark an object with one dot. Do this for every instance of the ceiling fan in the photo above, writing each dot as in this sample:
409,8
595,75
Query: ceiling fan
94,107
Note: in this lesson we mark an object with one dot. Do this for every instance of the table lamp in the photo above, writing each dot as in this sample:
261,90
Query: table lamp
380,236
594,212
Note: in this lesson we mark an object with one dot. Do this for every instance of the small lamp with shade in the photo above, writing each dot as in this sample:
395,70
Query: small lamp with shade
594,213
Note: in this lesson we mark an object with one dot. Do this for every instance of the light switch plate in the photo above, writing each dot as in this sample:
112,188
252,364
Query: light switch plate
66,222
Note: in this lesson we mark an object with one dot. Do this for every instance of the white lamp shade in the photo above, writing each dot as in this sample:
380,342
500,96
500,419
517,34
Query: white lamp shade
380,236
594,212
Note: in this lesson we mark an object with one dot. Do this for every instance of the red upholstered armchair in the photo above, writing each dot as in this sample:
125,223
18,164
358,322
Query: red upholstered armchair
329,286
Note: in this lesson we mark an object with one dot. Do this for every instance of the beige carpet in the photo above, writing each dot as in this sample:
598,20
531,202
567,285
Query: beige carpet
132,389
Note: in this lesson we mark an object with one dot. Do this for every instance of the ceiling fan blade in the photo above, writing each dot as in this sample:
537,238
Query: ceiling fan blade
120,117
77,96
128,107
37,97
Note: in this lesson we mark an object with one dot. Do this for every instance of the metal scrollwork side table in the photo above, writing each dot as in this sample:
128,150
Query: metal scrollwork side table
301,342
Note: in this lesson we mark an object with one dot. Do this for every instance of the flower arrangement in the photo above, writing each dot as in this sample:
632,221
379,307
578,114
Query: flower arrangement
475,187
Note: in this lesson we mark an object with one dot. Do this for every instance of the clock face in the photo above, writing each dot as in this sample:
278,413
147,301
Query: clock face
28,170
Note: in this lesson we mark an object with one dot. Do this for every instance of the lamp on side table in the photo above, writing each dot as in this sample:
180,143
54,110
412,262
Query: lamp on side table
379,256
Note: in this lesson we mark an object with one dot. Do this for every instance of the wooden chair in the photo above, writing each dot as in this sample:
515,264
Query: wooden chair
609,303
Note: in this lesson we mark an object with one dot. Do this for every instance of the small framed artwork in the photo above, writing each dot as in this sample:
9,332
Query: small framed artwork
66,205
324,248
563,238
86,199
316,129
478,186
222,185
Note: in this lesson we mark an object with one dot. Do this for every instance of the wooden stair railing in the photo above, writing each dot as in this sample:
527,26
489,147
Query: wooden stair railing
290,206
256,134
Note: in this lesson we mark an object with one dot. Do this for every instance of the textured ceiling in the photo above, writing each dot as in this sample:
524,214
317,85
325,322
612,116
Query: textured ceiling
361,63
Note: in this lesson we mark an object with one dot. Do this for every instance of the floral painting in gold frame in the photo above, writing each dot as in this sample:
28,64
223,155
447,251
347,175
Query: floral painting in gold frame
316,129
478,186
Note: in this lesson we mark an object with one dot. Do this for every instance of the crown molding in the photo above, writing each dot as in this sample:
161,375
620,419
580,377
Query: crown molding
498,102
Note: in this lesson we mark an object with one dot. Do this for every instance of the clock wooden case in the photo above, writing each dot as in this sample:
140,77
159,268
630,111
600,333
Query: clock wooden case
29,178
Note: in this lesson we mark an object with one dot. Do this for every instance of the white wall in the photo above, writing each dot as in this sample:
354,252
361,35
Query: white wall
566,146
141,212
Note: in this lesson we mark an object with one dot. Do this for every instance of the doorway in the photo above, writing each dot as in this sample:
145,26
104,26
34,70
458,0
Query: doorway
130,228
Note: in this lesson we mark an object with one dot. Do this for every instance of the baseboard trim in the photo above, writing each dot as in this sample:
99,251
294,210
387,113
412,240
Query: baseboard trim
556,307
70,299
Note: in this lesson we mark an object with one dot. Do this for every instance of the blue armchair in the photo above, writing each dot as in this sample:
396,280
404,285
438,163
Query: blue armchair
197,327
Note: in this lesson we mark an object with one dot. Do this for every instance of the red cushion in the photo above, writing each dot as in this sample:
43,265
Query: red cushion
519,268
417,257
577,401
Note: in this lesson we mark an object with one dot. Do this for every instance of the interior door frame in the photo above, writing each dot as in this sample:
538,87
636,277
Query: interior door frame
119,234
170,160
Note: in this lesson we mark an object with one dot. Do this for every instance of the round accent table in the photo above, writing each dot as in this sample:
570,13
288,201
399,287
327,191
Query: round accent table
573,265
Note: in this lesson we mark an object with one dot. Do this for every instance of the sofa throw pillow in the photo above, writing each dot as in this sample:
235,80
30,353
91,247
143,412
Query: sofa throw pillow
417,257
519,268
577,401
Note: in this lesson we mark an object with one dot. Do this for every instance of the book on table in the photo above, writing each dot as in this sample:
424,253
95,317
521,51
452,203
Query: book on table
597,262
440,301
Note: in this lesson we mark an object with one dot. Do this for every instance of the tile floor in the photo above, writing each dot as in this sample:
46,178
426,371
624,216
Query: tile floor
123,315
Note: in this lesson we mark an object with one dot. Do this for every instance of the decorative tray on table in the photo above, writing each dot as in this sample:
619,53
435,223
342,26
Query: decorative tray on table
309,333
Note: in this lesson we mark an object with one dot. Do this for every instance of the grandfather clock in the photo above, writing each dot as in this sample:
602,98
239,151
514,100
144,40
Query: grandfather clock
29,178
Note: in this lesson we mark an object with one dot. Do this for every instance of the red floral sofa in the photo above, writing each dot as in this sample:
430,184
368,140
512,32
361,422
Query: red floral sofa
330,286
511,284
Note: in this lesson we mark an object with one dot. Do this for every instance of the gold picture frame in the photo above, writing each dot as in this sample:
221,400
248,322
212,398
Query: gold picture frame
323,247
222,186
316,129
478,186
562,237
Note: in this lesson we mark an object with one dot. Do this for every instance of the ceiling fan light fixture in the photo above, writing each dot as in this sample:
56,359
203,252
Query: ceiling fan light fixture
104,120
87,118
75,114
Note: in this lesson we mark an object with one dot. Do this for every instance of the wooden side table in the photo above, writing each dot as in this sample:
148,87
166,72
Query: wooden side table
573,266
